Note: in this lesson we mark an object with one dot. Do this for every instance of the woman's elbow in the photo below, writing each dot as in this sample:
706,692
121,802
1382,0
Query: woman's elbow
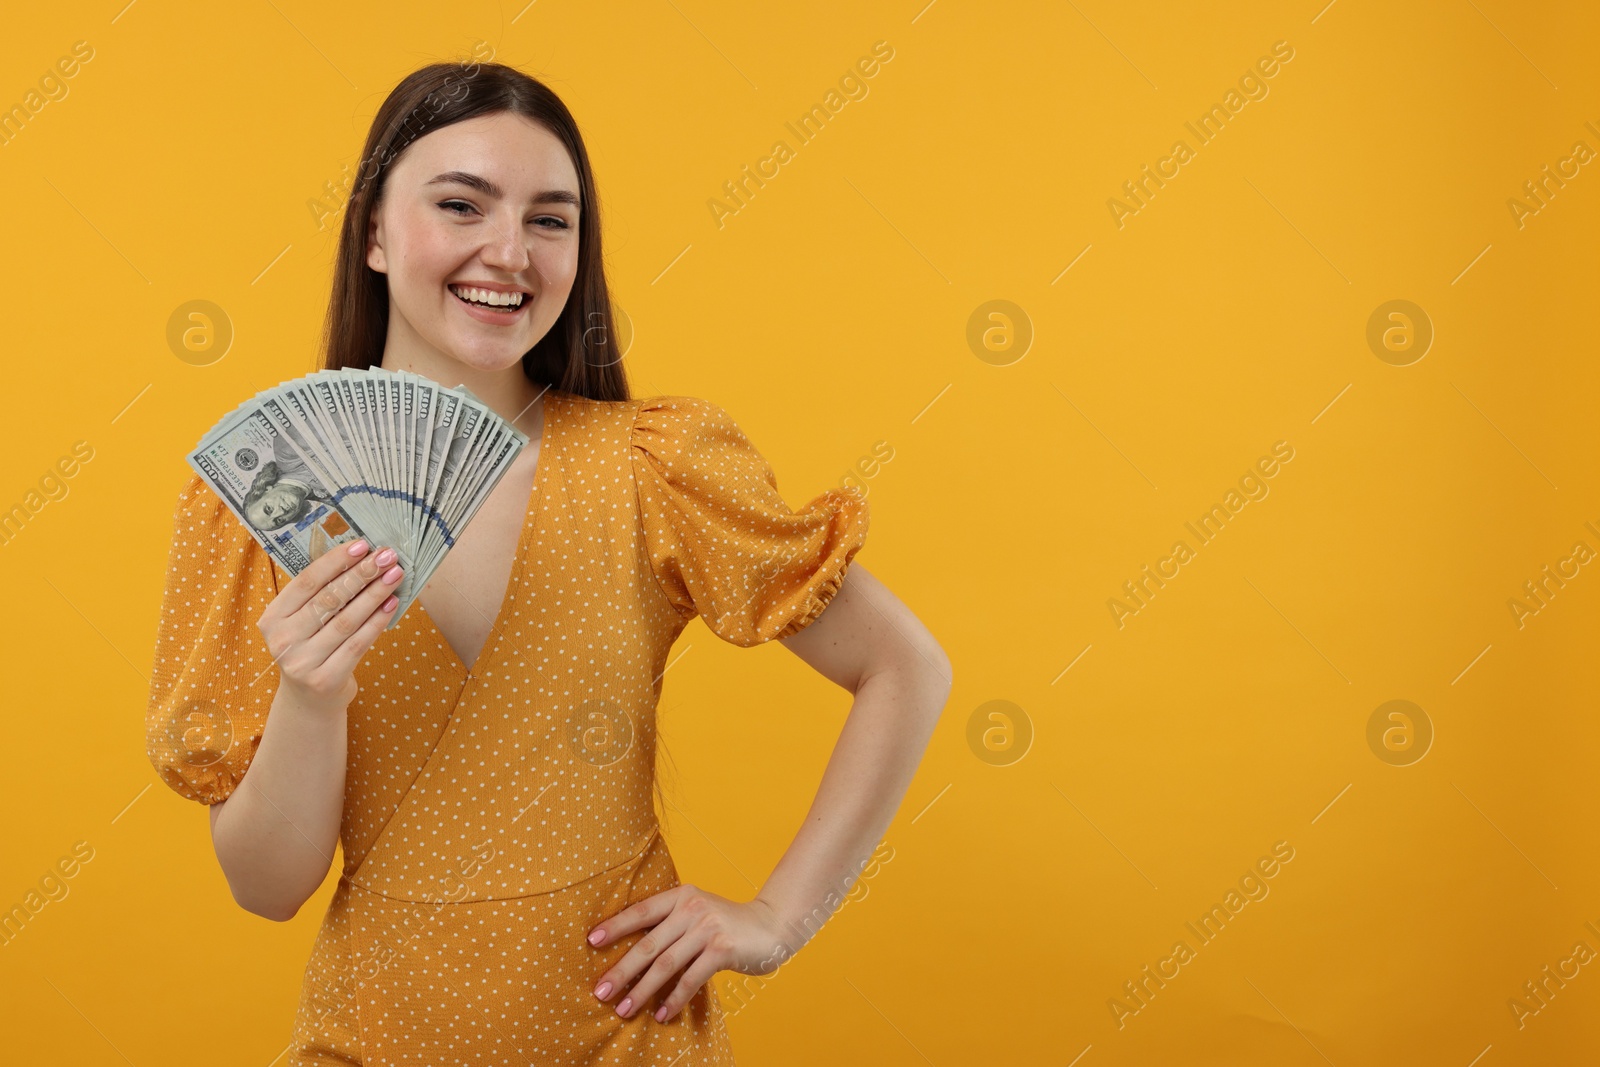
269,902
931,662
268,905
943,674
921,665
275,911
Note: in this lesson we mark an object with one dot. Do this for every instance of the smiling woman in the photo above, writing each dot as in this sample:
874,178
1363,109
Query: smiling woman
488,763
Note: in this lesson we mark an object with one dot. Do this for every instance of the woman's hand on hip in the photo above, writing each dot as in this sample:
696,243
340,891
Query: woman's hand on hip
692,934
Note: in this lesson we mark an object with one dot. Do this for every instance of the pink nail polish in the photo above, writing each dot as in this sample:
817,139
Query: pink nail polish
622,1009
596,937
661,1014
357,548
605,988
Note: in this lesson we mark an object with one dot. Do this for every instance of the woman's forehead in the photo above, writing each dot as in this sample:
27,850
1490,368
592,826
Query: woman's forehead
508,151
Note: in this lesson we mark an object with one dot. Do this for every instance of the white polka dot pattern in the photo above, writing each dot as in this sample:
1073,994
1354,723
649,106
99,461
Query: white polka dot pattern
493,816
722,541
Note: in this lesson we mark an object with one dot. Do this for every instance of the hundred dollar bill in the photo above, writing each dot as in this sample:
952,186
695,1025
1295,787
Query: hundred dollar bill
340,455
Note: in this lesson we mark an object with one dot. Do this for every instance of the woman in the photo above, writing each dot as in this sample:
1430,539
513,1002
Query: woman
487,762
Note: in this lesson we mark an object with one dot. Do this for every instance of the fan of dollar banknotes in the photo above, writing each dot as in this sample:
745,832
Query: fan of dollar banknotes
340,455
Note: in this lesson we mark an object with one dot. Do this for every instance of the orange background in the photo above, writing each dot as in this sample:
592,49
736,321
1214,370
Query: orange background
1039,459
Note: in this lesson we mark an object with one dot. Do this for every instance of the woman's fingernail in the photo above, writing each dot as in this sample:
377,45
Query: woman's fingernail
661,1014
627,1002
605,988
596,937
385,557
391,575
357,548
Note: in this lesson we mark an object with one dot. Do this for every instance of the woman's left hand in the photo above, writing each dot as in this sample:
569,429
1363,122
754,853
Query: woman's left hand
694,933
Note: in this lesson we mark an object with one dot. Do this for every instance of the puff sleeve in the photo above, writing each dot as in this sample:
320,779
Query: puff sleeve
212,679
723,544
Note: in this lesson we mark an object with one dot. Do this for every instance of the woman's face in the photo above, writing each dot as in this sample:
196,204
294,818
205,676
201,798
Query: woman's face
488,203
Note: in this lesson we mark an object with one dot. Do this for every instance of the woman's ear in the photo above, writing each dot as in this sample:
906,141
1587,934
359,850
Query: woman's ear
375,257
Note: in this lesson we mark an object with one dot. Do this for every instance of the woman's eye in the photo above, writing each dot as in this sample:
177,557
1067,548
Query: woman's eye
461,207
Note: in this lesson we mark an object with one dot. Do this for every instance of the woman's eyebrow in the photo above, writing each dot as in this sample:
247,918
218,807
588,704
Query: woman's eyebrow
489,188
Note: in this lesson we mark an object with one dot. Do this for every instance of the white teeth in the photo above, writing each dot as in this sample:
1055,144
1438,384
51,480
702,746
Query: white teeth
486,296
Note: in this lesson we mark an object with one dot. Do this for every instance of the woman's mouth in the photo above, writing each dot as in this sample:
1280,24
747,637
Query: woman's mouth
488,305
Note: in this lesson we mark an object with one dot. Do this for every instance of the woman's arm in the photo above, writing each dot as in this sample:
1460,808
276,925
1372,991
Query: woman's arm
870,643
867,641
275,834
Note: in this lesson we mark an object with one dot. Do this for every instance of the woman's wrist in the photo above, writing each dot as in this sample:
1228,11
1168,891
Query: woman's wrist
789,924
311,702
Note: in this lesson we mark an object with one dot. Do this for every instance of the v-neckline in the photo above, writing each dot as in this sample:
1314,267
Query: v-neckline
530,519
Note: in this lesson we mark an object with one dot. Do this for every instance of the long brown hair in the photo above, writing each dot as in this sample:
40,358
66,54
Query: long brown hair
579,353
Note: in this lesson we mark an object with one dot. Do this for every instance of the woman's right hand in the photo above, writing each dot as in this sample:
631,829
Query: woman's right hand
323,621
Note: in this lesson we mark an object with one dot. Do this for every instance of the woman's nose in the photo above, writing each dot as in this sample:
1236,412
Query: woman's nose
507,249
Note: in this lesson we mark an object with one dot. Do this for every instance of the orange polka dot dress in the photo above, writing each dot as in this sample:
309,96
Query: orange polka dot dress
493,816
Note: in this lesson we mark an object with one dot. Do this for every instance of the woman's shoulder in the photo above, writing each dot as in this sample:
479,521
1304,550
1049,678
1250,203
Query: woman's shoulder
658,425
681,421
660,406
200,516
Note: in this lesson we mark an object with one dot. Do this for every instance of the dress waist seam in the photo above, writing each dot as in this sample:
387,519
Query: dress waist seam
650,839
